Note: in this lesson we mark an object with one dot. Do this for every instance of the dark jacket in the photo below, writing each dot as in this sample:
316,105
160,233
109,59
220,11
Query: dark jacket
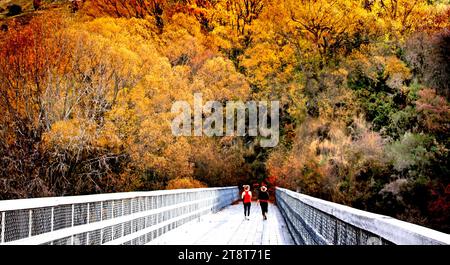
264,196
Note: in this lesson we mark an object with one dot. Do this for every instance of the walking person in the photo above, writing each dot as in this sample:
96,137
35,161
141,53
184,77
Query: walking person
263,199
247,199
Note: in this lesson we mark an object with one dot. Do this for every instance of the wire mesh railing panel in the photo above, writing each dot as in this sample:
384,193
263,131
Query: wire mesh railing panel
118,208
117,231
94,237
63,241
16,225
80,214
127,228
80,239
107,210
134,205
41,221
62,217
142,204
134,226
126,206
148,237
95,212
107,234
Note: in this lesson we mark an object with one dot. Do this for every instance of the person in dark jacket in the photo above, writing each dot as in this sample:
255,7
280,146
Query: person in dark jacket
263,199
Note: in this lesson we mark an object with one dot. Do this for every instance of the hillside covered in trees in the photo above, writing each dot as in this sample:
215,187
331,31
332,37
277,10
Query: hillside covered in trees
86,89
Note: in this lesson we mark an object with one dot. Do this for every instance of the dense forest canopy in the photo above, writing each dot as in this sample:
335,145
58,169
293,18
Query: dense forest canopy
87,88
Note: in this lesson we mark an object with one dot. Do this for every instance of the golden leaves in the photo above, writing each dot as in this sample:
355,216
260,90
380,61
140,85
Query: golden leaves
219,80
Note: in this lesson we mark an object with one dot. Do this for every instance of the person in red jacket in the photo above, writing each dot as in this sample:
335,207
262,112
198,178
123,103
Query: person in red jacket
247,199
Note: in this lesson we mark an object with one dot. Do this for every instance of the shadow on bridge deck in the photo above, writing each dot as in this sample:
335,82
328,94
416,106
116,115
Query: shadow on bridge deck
228,227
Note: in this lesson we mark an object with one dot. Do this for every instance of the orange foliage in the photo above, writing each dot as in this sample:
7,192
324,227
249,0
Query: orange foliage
28,54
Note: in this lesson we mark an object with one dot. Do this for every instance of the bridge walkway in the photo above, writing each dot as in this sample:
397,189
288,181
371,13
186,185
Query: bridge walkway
228,226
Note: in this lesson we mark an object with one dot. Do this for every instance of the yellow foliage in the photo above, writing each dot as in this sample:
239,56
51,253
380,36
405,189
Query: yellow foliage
107,138
142,114
400,17
185,183
70,134
325,22
396,71
374,61
269,64
182,40
233,22
219,80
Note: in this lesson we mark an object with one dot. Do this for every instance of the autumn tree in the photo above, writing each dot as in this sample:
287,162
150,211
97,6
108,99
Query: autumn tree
69,78
185,183
127,9
401,16
434,112
327,24
28,54
427,54
233,22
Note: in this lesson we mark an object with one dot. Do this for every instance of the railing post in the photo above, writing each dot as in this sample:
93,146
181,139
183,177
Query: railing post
101,219
157,207
30,221
131,205
2,239
123,214
132,221
112,209
88,216
112,217
73,222
52,215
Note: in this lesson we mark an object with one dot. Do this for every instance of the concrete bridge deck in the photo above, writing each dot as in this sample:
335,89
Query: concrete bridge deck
228,226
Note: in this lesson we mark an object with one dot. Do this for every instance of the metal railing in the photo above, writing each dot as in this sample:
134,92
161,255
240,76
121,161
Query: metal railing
314,221
118,218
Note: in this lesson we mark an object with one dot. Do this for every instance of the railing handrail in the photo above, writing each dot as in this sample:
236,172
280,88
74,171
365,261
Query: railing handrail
389,228
32,203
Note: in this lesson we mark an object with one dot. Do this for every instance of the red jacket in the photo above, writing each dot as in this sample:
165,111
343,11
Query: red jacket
247,196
